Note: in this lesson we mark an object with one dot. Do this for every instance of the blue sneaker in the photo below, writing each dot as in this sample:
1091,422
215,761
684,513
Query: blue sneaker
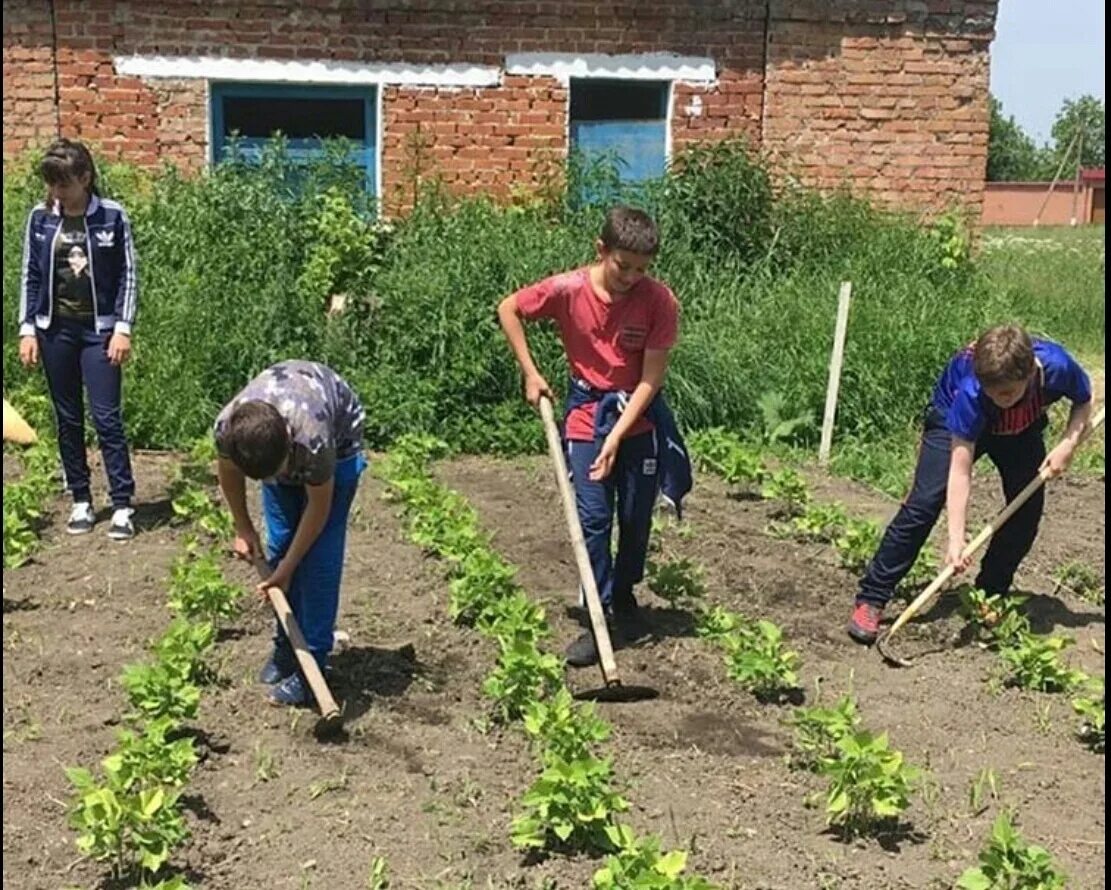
281,665
292,691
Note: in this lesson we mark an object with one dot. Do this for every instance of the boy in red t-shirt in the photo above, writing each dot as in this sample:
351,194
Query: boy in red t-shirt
617,326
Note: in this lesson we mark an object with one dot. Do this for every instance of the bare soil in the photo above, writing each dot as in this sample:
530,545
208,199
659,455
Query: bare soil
422,778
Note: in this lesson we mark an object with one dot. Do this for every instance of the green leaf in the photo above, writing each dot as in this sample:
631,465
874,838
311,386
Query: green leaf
672,863
80,777
150,802
974,879
886,807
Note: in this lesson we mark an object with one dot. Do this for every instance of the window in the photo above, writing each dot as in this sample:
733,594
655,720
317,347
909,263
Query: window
626,119
304,115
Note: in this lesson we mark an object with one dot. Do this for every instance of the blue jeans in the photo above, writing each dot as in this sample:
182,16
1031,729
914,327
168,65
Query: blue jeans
314,591
1017,458
633,484
74,355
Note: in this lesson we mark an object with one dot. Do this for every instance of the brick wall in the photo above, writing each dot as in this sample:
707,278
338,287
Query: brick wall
885,98
491,139
30,117
799,77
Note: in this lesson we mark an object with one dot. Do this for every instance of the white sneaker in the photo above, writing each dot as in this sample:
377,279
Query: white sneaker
81,519
122,528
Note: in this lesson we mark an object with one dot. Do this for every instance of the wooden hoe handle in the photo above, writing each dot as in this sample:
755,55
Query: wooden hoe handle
926,596
578,543
320,691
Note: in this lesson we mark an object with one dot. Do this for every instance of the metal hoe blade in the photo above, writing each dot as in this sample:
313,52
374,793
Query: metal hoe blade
888,655
618,692
330,728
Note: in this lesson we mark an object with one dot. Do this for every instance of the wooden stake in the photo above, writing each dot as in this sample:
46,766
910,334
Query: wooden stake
835,360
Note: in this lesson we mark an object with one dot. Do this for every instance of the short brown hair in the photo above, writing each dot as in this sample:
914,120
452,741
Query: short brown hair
627,228
1003,354
257,439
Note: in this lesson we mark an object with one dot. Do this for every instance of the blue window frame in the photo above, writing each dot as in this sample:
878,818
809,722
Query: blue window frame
305,115
625,119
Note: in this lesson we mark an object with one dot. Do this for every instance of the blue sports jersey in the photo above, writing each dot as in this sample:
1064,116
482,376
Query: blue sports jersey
969,413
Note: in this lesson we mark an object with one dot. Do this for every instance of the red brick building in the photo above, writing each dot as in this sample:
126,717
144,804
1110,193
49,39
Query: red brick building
887,95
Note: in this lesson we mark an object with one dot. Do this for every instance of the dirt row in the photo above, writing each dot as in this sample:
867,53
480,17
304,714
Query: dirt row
425,781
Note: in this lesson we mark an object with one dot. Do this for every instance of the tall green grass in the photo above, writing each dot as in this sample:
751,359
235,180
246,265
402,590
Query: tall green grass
1053,278
237,267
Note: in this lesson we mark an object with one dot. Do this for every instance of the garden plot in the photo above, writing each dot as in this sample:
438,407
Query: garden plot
428,783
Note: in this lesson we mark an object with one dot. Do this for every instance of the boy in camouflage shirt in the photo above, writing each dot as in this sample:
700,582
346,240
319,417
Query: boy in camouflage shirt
298,427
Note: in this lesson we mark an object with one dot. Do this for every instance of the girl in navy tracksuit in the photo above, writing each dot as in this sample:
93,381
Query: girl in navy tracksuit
76,308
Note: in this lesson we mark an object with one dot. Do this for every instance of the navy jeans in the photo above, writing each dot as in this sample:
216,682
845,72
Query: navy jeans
314,591
75,359
1018,459
633,484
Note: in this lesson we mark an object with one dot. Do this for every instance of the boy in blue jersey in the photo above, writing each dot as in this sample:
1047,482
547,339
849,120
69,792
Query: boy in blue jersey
991,399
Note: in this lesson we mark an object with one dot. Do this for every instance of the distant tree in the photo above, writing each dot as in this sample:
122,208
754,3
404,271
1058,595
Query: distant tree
1085,116
1013,156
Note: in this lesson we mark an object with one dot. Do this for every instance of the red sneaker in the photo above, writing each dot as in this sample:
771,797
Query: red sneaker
864,626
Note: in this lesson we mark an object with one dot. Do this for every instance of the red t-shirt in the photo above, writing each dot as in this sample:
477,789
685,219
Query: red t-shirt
604,341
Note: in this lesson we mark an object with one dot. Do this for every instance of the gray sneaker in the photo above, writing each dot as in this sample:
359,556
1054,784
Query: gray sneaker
122,529
81,519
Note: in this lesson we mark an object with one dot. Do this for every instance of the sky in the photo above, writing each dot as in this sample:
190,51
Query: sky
1046,51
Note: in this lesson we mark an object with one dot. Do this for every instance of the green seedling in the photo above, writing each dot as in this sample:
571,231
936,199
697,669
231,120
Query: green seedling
324,786
857,543
267,767
640,864
516,618
196,506
678,582
569,807
1007,862
149,757
724,453
379,877
562,729
1090,707
819,730
1081,580
819,522
756,658
198,589
787,485
161,690
869,782
484,579
1034,663
20,539
717,622
998,616
448,529
523,674
23,503
135,829
183,646
985,785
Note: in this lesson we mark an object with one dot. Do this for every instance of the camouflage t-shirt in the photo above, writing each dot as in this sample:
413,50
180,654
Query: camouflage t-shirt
324,416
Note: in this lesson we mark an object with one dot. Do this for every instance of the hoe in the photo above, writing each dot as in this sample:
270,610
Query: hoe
613,689
883,643
330,724
16,429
